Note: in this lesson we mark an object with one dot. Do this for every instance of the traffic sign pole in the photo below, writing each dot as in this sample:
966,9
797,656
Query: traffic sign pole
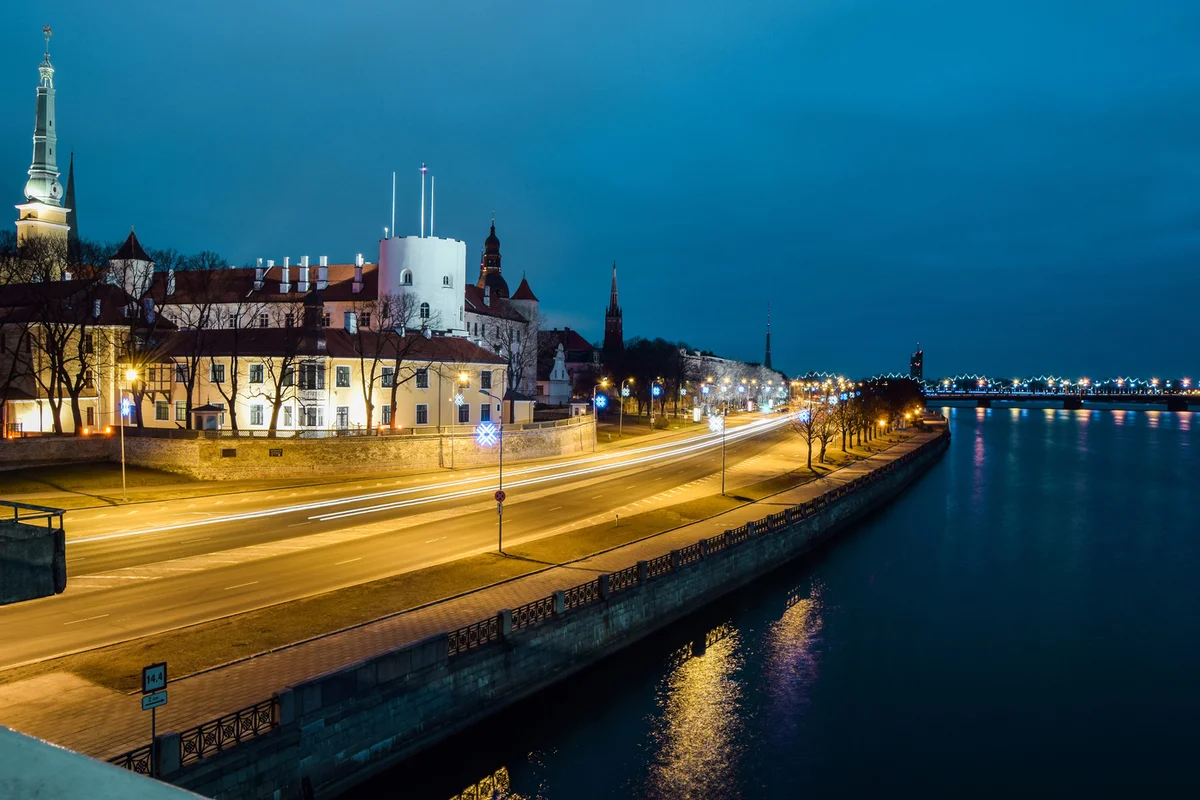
154,694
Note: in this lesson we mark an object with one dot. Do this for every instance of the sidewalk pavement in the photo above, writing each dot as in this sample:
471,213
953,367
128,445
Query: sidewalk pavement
103,723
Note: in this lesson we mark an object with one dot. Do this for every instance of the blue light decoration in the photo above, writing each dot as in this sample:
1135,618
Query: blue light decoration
624,391
487,434
741,389
682,391
716,423
656,390
803,416
845,396
601,401
858,394
704,389
126,407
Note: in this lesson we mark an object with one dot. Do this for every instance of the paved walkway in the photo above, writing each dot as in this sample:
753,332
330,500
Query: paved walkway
104,723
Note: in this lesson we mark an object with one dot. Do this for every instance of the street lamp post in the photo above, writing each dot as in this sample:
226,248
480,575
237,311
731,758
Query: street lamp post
621,415
130,377
716,422
500,487
457,400
603,384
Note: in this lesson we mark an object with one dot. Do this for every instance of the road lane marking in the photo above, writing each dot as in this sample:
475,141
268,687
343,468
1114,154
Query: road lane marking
431,541
576,468
240,585
556,508
597,497
348,561
89,619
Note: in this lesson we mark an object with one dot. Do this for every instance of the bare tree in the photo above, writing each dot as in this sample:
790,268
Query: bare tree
200,291
516,343
242,312
403,348
367,341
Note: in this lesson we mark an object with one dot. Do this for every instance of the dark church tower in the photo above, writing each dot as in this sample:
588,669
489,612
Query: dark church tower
74,252
489,265
614,336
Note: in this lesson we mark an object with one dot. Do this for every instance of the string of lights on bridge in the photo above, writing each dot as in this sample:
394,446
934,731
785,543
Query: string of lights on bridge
969,382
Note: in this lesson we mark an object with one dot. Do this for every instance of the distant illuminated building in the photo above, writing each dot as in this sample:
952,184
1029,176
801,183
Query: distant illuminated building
916,366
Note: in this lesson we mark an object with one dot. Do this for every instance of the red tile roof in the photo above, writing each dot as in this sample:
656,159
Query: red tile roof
523,291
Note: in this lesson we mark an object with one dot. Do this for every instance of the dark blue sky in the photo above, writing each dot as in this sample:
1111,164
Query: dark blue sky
1014,183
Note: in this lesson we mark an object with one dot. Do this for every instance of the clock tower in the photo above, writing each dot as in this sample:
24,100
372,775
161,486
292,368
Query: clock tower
42,216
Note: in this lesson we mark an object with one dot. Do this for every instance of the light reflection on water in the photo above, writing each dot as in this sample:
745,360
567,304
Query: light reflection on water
696,731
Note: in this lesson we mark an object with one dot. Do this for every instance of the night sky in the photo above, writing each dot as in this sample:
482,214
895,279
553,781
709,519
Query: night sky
1015,184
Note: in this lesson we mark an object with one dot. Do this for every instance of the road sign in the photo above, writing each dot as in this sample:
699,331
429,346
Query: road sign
154,677
155,700
500,509
500,495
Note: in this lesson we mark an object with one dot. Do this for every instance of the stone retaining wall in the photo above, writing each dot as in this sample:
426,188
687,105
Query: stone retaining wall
230,458
339,728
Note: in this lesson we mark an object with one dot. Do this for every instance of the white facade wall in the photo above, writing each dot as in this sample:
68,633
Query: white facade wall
437,269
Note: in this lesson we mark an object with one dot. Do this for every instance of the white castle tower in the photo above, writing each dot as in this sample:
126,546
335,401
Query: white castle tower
42,216
429,273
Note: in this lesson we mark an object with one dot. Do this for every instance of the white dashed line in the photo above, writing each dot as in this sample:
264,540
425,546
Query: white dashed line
348,561
74,621
240,585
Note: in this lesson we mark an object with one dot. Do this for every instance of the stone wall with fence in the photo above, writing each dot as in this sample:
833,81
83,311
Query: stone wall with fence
222,455
336,729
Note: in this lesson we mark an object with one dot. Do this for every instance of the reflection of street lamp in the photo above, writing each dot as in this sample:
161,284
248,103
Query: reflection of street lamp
488,433
130,377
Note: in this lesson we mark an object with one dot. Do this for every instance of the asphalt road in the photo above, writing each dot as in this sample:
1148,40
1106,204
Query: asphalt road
162,565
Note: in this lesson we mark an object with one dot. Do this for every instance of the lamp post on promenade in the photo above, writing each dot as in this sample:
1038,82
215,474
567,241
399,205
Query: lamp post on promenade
488,433
621,416
598,404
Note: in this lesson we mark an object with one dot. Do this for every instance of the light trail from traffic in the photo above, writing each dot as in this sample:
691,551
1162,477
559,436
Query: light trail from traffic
690,446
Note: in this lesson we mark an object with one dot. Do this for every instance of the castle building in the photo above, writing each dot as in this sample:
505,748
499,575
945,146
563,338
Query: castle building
42,216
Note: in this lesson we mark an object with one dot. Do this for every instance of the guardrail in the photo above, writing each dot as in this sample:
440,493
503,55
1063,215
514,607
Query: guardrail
35,513
211,737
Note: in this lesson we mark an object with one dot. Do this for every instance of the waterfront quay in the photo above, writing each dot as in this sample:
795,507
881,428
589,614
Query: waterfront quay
332,710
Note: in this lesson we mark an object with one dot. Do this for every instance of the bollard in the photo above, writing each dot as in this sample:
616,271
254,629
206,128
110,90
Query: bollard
166,754
560,602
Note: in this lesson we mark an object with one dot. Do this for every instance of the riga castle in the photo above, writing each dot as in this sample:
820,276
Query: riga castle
287,344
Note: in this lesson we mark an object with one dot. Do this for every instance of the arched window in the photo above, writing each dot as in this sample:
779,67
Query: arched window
445,280
406,278
424,310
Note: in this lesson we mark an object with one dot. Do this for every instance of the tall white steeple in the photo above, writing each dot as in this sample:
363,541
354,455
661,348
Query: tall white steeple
42,215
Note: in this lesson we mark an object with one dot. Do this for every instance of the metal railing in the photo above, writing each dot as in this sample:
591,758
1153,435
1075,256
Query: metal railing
211,737
532,613
29,514
623,579
582,594
136,760
471,636
464,430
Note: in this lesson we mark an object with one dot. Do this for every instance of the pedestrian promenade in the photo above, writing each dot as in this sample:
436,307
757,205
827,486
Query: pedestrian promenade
104,723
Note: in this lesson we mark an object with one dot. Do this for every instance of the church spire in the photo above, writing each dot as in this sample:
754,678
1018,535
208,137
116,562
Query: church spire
43,185
42,215
614,333
73,249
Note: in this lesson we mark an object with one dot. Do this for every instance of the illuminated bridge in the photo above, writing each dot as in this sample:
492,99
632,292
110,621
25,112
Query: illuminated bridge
984,397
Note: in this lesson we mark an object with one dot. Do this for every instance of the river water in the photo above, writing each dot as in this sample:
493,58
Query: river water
1026,618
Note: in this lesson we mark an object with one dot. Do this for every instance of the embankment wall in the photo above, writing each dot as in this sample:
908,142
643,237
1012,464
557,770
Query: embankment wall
336,729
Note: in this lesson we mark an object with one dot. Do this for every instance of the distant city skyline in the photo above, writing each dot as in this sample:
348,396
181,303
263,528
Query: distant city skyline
1011,188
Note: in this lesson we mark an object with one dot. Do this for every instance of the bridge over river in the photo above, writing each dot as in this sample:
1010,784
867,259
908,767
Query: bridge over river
1171,401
